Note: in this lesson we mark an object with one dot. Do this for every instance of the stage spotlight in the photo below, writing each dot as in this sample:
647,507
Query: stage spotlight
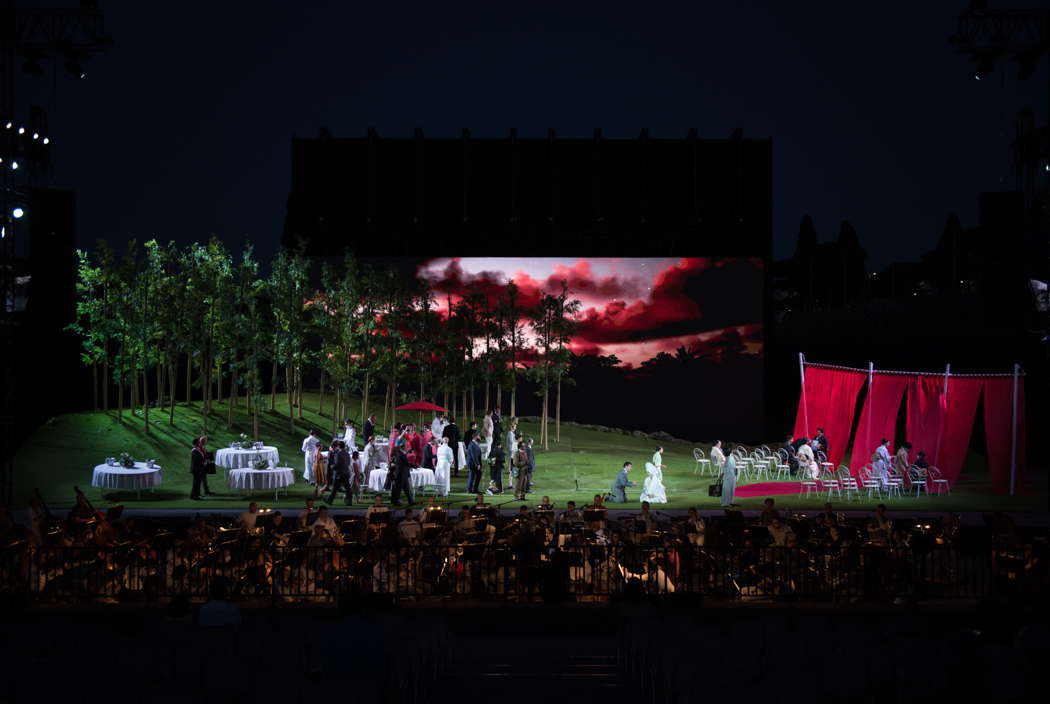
36,135
8,125
17,213
46,140
14,166
21,130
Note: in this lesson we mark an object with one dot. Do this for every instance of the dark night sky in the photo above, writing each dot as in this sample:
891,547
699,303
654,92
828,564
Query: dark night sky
183,128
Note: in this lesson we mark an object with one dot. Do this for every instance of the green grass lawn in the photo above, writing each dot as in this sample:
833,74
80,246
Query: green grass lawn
63,451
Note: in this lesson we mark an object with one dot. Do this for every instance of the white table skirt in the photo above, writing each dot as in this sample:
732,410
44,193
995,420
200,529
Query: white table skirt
255,479
140,477
240,459
421,478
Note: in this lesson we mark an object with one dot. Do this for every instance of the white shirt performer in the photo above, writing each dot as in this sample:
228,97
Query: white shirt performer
658,458
718,458
310,446
444,465
435,426
881,462
349,436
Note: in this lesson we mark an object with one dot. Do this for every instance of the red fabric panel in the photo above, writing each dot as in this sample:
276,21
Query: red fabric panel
879,417
926,410
829,400
998,426
963,395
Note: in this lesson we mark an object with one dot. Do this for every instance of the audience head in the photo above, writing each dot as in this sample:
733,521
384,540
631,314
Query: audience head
253,507
379,500
322,512
769,503
645,506
571,505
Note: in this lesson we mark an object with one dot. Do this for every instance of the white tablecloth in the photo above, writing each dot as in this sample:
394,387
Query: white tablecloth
421,478
253,479
238,459
140,477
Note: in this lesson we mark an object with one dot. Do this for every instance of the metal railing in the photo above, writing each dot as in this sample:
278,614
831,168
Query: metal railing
581,573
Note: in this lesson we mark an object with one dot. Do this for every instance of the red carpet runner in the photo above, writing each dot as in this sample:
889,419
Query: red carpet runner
766,489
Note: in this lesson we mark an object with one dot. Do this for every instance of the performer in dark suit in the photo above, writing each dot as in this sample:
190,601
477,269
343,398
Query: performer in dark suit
822,441
792,461
497,425
452,433
402,472
339,460
370,427
429,454
198,467
618,491
532,461
471,432
473,466
496,458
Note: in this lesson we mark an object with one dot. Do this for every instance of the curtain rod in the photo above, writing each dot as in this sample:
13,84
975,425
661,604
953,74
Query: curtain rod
883,371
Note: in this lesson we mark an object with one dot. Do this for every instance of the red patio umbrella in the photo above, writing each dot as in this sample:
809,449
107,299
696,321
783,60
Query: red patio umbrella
421,406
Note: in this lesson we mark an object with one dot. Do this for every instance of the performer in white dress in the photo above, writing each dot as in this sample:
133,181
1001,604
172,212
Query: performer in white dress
807,465
881,462
435,426
311,447
349,435
658,459
444,468
653,489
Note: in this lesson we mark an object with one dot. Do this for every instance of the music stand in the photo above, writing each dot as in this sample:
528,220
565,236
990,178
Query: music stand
483,511
113,513
379,518
299,538
438,516
591,515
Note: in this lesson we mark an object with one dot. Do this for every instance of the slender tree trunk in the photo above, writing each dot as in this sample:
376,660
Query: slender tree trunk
288,371
485,405
557,414
105,381
386,405
273,386
364,399
189,377
466,410
171,385
320,399
133,403
299,389
94,386
233,397
161,369
499,396
145,400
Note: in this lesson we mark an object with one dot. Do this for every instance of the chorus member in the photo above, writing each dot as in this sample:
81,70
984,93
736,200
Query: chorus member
821,441
618,492
471,433
473,465
520,470
729,479
532,460
369,430
451,432
443,468
496,459
311,446
807,464
198,467
349,435
718,458
902,463
487,427
881,462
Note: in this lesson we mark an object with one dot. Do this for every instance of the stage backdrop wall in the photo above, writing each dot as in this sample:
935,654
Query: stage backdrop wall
879,417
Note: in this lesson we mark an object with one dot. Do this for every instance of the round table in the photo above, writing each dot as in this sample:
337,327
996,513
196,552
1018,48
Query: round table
137,478
255,479
230,458
421,479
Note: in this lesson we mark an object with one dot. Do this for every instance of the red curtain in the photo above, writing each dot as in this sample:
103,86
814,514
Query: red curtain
926,410
963,395
879,417
998,427
828,402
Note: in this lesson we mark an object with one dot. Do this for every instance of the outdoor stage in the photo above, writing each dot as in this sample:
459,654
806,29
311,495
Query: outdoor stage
64,451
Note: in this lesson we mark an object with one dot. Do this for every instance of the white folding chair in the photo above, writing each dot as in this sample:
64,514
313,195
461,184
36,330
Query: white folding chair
702,463
894,484
940,485
847,482
870,484
918,480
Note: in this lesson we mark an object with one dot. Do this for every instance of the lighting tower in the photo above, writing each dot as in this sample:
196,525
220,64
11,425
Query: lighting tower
29,39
